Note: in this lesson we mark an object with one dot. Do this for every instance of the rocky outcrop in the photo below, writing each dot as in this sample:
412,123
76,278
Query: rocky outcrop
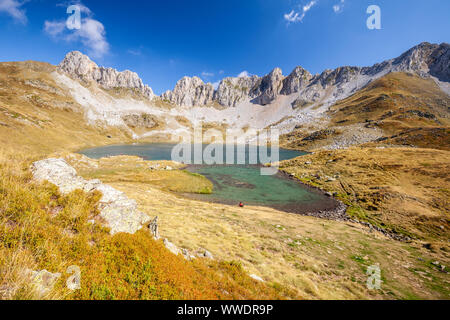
439,64
116,209
118,212
154,228
79,66
143,120
269,88
190,92
332,85
297,80
231,91
205,254
422,58
171,247
43,282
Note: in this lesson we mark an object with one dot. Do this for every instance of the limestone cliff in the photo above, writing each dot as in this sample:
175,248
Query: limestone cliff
190,92
79,66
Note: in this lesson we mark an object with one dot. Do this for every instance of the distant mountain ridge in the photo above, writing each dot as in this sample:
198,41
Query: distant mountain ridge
300,103
425,60
328,87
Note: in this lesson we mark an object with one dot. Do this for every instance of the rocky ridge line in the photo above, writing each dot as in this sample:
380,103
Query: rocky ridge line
424,60
80,67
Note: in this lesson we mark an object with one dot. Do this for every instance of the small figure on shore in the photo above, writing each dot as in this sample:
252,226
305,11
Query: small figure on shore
241,204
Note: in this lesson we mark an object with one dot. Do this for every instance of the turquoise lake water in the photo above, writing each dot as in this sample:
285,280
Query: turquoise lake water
235,183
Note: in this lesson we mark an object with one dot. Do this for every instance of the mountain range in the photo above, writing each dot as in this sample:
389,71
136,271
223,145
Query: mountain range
108,99
274,100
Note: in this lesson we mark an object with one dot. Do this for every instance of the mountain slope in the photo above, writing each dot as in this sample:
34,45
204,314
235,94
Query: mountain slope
37,113
399,108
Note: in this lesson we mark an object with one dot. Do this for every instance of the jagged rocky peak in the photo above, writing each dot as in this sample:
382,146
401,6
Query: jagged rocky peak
415,59
81,67
298,79
190,92
231,91
440,62
268,88
426,58
337,76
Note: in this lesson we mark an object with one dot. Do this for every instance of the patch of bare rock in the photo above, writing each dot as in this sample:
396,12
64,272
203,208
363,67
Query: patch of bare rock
116,209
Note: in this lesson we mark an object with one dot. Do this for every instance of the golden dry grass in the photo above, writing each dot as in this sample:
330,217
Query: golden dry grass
36,120
320,259
401,189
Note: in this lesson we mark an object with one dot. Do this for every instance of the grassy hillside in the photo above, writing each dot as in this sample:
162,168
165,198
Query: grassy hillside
37,115
405,190
42,229
320,259
299,257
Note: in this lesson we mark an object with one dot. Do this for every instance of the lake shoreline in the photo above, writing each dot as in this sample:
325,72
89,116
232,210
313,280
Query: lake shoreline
318,204
330,208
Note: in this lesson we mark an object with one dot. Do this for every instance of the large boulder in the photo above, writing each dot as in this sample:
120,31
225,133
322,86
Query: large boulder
116,209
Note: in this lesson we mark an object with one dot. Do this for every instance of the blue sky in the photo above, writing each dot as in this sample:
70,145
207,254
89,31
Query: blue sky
165,40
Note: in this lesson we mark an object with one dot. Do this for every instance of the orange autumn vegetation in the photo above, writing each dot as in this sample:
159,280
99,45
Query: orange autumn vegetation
43,229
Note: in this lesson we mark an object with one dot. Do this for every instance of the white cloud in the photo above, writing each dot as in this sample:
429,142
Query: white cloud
244,74
294,17
337,8
207,74
92,33
309,6
13,8
54,28
134,52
